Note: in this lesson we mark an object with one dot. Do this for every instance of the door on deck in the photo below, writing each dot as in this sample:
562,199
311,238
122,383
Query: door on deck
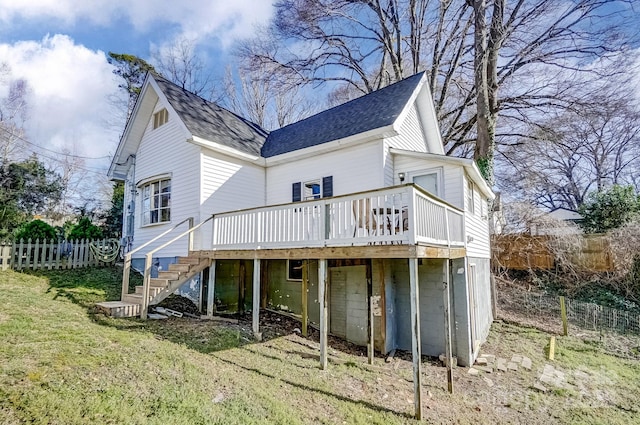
348,311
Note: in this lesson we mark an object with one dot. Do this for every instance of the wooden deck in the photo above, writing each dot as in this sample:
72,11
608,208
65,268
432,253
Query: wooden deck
396,222
369,251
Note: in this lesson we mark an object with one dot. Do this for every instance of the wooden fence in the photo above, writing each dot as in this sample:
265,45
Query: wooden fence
54,254
527,252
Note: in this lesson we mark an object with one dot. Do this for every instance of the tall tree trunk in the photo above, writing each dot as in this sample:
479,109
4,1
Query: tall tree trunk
485,123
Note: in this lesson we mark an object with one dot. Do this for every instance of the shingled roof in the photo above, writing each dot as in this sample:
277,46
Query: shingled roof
211,122
374,110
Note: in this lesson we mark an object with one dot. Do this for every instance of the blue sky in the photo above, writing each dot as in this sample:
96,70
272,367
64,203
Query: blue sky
59,48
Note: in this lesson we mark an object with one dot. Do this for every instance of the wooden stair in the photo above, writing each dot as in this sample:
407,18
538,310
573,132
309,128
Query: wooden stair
160,288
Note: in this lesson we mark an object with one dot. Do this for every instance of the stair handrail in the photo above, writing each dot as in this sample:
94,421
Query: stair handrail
128,256
149,258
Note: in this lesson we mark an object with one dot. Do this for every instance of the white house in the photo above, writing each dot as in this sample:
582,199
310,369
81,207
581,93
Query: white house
361,195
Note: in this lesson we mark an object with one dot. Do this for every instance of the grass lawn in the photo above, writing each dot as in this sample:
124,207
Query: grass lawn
63,364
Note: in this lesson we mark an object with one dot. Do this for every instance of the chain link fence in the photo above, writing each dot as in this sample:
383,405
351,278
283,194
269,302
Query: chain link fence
543,310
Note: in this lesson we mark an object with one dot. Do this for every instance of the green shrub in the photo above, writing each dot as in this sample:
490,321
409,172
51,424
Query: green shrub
36,229
85,229
609,209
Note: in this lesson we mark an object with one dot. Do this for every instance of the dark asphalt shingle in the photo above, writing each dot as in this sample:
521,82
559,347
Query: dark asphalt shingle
374,110
212,122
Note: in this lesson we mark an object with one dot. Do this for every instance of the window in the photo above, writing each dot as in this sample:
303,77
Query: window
294,269
312,190
430,181
159,118
156,202
471,198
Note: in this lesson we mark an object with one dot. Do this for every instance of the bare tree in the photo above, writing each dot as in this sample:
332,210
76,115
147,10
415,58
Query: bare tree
483,57
576,152
264,97
13,114
181,63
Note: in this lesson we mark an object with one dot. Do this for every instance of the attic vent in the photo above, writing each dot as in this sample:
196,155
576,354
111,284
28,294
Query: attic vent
159,118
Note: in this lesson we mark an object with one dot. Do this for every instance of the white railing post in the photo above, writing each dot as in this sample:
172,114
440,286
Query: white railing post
323,217
446,223
411,215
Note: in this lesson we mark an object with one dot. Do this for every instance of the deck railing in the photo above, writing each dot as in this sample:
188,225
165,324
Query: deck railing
397,215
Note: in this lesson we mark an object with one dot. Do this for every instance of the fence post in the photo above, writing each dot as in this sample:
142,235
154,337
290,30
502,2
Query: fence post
563,313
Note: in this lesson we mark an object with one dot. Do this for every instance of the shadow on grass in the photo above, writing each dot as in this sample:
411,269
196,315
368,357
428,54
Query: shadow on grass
85,286
305,387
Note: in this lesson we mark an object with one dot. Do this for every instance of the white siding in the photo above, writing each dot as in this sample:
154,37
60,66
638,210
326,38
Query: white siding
476,224
411,136
165,150
452,176
227,184
353,169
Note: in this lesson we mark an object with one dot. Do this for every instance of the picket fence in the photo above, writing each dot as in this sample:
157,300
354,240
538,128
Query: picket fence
54,254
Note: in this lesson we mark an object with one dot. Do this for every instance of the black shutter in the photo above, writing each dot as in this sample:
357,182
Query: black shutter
296,192
327,186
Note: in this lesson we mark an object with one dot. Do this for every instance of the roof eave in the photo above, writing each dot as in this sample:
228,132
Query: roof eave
353,140
469,165
226,150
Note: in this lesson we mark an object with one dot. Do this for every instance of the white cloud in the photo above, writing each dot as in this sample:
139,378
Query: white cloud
70,88
224,19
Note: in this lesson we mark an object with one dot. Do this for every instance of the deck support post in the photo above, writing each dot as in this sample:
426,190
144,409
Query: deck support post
256,297
304,300
447,325
211,289
371,344
415,337
322,298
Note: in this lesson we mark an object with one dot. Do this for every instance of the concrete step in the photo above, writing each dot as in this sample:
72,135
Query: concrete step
132,298
168,275
182,268
153,290
119,308
188,260
160,283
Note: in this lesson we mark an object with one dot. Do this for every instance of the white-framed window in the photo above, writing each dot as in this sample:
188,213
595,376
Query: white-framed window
160,118
471,197
156,201
430,180
312,189
294,270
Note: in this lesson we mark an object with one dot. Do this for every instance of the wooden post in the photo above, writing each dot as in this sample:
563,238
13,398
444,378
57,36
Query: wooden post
256,298
383,307
148,260
322,298
125,272
415,336
371,334
264,283
305,288
563,313
552,347
211,300
447,326
242,283
371,345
